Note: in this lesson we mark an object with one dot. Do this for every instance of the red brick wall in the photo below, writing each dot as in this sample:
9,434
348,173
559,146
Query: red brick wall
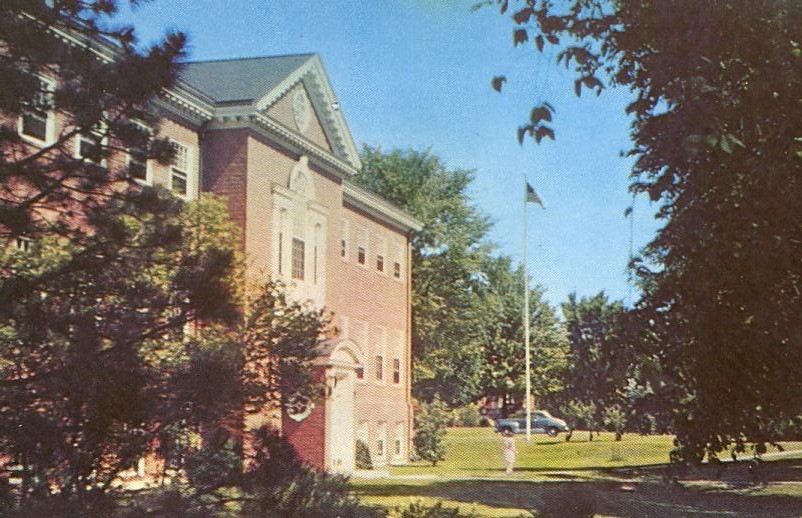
225,167
308,437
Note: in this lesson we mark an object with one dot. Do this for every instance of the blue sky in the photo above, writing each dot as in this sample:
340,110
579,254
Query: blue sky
416,74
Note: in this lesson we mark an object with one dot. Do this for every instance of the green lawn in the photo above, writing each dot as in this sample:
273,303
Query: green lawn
551,473
476,452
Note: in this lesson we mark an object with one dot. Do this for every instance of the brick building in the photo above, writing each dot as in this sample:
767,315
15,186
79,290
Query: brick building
277,146
268,134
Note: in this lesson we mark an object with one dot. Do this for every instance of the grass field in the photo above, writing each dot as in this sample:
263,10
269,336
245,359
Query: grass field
553,474
476,452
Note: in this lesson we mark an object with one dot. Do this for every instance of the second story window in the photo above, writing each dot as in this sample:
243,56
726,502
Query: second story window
179,169
396,371
37,121
362,246
298,259
138,156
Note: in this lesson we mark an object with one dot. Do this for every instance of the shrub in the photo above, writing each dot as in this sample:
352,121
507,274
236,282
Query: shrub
430,423
615,419
420,510
467,415
363,460
309,494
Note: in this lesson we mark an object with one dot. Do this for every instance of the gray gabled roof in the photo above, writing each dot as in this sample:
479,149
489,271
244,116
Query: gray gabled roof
245,79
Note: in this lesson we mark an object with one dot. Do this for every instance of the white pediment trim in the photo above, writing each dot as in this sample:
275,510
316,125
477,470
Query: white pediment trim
321,94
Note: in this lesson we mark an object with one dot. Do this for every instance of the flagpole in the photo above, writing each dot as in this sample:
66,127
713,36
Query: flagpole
526,327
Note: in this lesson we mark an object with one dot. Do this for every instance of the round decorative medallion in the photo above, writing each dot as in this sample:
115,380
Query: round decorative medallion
299,407
301,110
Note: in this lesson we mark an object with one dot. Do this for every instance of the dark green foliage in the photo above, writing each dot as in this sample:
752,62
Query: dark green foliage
446,258
431,420
212,467
467,415
600,359
716,126
615,418
363,460
85,360
98,98
504,374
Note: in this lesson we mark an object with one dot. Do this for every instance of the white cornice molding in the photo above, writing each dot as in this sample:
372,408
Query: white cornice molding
176,100
243,117
380,208
314,77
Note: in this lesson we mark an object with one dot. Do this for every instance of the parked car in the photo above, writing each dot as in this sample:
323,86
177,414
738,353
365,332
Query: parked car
542,422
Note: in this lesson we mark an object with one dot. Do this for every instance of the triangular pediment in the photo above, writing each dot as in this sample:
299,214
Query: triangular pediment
308,88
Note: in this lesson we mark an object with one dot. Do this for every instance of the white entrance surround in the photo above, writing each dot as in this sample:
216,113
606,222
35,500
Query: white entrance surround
340,363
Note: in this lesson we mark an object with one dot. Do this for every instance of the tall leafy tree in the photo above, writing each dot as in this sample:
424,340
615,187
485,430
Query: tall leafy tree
716,127
504,373
68,62
601,361
446,258
85,359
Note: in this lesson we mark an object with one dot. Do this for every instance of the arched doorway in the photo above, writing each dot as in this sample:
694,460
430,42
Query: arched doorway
340,408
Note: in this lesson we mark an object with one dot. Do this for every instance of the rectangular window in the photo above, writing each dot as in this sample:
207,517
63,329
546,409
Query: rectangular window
381,251
362,246
178,182
138,156
179,169
398,447
398,250
381,439
360,372
34,124
379,367
396,371
344,240
23,244
37,118
89,145
297,259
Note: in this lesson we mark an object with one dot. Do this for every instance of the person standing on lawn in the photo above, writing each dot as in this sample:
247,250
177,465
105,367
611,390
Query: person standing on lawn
510,450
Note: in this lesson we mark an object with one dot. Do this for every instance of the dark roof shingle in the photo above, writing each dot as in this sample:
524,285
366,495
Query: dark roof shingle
243,79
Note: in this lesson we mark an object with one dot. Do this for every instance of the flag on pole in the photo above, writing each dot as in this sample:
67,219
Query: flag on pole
531,195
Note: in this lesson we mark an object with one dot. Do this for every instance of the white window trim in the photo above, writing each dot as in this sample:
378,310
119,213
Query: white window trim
399,437
104,141
380,350
189,173
381,435
398,354
50,122
381,250
362,241
354,326
23,244
345,235
399,256
148,180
